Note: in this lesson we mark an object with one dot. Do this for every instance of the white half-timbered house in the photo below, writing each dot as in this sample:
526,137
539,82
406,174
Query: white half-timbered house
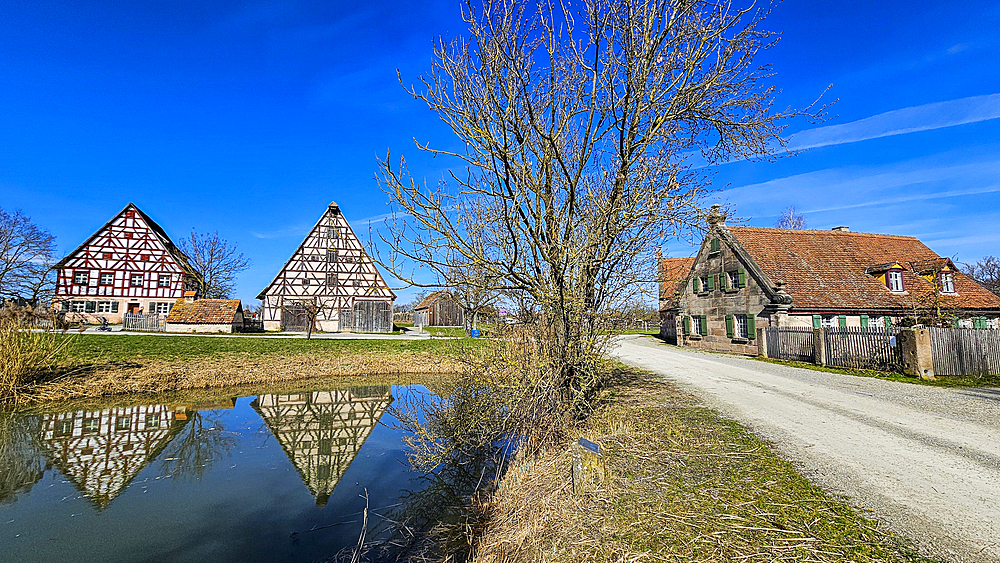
329,274
128,266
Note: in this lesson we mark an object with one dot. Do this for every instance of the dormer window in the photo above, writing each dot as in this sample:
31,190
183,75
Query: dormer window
894,281
947,282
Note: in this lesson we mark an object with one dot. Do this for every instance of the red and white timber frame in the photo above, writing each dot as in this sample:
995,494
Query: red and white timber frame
128,266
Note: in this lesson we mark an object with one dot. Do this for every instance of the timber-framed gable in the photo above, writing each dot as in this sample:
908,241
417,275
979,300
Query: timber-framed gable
129,265
330,276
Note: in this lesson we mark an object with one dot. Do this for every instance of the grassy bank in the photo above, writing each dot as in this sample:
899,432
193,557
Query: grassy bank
98,365
940,381
685,485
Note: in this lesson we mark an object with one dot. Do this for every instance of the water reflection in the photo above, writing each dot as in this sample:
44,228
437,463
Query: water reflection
20,464
101,451
321,432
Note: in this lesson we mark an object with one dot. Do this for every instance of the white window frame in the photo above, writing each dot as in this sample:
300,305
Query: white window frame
704,284
740,326
828,321
77,306
160,307
106,278
947,282
77,276
894,280
696,324
104,306
163,280
132,278
734,280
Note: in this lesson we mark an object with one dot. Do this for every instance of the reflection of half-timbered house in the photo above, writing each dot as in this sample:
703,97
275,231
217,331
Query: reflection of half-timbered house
331,275
100,452
129,265
322,431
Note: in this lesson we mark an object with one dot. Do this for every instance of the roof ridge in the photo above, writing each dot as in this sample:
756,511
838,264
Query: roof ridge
823,231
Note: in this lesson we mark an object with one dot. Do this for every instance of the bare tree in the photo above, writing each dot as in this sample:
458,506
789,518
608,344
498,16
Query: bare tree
577,126
791,219
473,289
986,272
310,309
25,257
216,260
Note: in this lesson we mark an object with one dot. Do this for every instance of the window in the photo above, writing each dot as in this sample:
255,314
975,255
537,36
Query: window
135,280
161,307
92,425
107,278
107,306
331,256
123,422
947,282
163,280
81,278
741,326
152,421
734,280
714,245
332,233
106,255
305,282
829,321
697,327
705,283
77,306
894,280
91,307
64,428
331,280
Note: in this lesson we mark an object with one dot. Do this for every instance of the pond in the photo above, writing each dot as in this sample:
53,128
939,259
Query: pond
270,477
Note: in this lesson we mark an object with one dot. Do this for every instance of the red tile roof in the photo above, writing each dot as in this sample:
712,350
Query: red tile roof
204,311
673,274
827,269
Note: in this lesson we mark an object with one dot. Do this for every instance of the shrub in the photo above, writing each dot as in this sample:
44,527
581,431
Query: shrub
25,355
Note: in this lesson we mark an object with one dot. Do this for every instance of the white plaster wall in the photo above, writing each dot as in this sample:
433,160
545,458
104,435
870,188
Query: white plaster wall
209,328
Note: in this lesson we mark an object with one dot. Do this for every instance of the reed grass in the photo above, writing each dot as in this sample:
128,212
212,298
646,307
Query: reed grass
25,356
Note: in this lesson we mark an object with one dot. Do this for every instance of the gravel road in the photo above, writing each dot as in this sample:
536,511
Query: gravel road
925,460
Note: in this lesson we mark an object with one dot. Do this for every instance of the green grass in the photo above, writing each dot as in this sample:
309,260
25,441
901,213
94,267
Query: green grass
92,348
452,331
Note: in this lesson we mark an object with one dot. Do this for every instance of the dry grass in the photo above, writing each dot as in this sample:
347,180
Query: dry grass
24,356
227,370
686,485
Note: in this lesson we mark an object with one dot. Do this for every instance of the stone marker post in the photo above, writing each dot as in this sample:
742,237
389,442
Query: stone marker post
589,470
915,349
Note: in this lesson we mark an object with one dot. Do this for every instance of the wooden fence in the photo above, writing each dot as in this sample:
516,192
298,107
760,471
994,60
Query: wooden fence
150,322
790,344
965,351
863,348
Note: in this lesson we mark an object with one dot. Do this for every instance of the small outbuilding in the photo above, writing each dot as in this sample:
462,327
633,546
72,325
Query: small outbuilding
205,315
439,309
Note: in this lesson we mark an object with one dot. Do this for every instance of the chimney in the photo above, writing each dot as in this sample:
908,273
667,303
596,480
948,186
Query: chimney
841,229
190,296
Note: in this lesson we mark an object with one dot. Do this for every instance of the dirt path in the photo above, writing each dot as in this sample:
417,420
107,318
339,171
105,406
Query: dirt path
925,460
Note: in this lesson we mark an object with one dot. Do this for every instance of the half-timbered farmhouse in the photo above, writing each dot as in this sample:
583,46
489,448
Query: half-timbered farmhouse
128,266
744,278
329,275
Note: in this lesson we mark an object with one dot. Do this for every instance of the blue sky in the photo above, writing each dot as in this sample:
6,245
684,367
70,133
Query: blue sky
250,117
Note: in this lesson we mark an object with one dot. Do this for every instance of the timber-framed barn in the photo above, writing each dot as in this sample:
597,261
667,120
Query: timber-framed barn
129,265
329,274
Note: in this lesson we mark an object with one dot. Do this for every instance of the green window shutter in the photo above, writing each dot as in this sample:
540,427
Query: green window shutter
752,326
694,285
686,324
842,321
888,321
715,245
729,326
704,325
711,283
743,278
817,321
723,281
954,323
977,322
864,321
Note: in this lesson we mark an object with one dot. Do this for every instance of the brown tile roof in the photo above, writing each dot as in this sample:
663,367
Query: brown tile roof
204,311
430,299
673,274
827,269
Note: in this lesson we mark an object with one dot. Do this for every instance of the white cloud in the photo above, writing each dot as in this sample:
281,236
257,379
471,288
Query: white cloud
897,122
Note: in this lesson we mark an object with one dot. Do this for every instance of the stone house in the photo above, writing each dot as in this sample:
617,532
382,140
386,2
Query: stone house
744,278
673,276
205,315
